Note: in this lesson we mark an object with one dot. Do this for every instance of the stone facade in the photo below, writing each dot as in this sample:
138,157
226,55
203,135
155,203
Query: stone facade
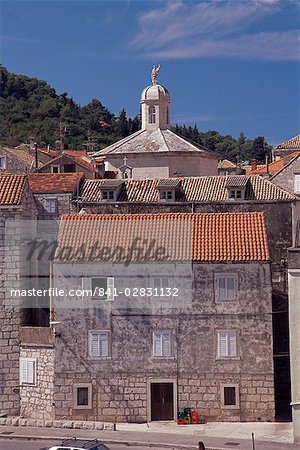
120,383
285,178
63,201
13,266
37,401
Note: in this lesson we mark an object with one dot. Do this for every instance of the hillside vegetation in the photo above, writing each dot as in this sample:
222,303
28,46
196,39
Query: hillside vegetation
31,109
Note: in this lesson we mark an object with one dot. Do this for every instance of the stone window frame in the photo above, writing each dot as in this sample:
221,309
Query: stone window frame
2,158
237,395
109,344
25,359
152,114
55,166
53,199
75,398
296,174
217,276
108,193
227,358
171,342
235,197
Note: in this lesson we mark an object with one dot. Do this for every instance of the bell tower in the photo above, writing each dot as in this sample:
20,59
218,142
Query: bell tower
155,101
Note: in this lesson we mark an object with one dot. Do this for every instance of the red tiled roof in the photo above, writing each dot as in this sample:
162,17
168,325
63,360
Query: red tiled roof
275,166
184,236
11,189
54,182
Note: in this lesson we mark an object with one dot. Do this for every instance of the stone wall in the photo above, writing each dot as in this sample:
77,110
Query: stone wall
37,401
64,205
12,267
286,179
119,383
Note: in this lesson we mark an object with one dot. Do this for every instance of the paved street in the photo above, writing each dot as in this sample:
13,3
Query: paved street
37,445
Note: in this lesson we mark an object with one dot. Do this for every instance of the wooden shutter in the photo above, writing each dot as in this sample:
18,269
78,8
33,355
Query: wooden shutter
232,344
27,371
103,340
157,344
166,344
222,344
95,348
110,289
86,285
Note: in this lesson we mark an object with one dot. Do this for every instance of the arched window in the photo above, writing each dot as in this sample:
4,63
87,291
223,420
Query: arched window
151,114
167,116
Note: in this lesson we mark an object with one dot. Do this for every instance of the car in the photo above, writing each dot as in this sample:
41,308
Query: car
79,444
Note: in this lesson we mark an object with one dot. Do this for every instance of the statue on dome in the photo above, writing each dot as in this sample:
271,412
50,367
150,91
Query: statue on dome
154,73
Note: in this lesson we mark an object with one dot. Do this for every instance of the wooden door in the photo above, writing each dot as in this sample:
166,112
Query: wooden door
162,401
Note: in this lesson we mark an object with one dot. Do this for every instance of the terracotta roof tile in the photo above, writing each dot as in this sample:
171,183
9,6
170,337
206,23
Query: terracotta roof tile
11,189
292,143
193,189
184,236
275,166
54,182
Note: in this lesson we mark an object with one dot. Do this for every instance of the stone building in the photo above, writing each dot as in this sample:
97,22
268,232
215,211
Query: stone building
218,194
70,161
54,192
288,177
131,358
155,151
17,207
22,159
294,312
226,167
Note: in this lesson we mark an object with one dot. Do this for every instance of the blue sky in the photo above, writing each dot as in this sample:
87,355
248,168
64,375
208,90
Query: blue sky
229,65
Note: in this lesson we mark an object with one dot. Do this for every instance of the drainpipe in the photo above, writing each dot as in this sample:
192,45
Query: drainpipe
36,155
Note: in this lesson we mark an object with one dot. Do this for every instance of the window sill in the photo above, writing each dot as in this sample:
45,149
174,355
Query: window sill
228,358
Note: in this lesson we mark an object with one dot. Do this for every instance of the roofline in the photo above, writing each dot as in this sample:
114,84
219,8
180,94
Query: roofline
67,156
207,202
284,167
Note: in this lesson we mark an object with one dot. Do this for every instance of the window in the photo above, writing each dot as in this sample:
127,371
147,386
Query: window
230,396
151,114
235,194
161,343
51,205
227,347
297,183
108,195
225,286
82,395
2,162
98,343
55,168
28,371
102,288
166,195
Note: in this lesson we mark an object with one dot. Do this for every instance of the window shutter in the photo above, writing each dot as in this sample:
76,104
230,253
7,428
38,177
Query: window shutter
110,289
95,344
23,372
157,347
230,288
103,344
166,345
222,288
86,285
232,344
297,183
222,344
30,372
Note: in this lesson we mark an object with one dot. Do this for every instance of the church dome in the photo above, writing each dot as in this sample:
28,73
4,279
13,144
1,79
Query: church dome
155,92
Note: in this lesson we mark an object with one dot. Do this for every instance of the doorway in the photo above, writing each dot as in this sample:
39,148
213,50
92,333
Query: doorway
162,401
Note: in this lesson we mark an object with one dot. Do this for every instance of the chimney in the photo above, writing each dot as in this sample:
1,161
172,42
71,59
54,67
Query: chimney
36,155
58,146
253,164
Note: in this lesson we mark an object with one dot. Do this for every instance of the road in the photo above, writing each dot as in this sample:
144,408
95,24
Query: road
16,444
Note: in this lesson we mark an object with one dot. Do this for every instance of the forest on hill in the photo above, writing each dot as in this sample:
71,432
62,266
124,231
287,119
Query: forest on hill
32,110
